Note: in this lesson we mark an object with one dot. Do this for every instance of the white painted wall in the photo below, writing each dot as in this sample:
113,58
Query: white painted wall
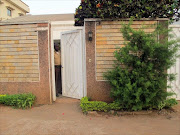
176,68
61,26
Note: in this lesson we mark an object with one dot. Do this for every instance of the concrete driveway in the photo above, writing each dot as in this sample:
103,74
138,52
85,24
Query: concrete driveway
64,117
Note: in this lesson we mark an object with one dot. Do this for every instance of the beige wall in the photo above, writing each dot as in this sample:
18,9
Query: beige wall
109,38
17,6
19,60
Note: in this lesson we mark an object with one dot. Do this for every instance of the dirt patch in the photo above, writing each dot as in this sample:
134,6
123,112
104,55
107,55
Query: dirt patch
64,117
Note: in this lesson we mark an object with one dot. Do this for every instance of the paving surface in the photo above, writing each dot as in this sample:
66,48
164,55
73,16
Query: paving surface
64,117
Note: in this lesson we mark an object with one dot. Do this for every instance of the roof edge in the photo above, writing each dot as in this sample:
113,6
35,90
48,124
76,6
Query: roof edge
25,7
174,26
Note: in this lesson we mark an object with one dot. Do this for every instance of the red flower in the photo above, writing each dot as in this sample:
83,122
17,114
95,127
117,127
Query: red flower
98,5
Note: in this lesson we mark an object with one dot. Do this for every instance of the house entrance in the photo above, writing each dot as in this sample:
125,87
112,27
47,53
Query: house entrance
73,64
57,62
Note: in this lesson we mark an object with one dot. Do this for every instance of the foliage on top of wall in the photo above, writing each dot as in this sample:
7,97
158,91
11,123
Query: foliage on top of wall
126,9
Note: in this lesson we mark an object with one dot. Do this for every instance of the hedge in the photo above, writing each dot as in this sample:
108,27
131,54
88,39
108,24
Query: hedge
87,105
23,101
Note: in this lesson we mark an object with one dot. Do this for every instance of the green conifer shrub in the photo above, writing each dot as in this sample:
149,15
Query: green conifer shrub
139,77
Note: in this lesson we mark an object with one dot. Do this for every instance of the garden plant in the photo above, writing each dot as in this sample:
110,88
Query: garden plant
139,77
87,105
23,101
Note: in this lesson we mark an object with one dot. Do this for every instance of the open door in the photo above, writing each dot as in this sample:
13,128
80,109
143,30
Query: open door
73,64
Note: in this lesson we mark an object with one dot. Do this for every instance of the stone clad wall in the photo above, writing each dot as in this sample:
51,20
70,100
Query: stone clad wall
109,38
19,55
25,60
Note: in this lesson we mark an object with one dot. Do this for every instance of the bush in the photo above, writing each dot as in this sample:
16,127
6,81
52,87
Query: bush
19,100
126,8
139,79
170,102
87,105
167,103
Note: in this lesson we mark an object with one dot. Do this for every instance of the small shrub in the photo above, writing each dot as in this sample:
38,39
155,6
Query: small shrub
170,102
161,105
18,100
167,103
87,105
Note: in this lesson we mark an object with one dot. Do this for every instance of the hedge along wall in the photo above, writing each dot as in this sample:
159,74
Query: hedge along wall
25,60
107,37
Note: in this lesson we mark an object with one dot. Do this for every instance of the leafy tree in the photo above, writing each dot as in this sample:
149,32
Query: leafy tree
126,9
139,79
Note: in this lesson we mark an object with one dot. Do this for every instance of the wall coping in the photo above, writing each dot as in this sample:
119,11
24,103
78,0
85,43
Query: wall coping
13,23
174,26
120,19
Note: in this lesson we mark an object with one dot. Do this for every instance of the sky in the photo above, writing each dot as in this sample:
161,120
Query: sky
52,6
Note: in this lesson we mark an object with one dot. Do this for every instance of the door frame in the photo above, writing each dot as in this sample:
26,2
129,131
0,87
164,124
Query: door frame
53,88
